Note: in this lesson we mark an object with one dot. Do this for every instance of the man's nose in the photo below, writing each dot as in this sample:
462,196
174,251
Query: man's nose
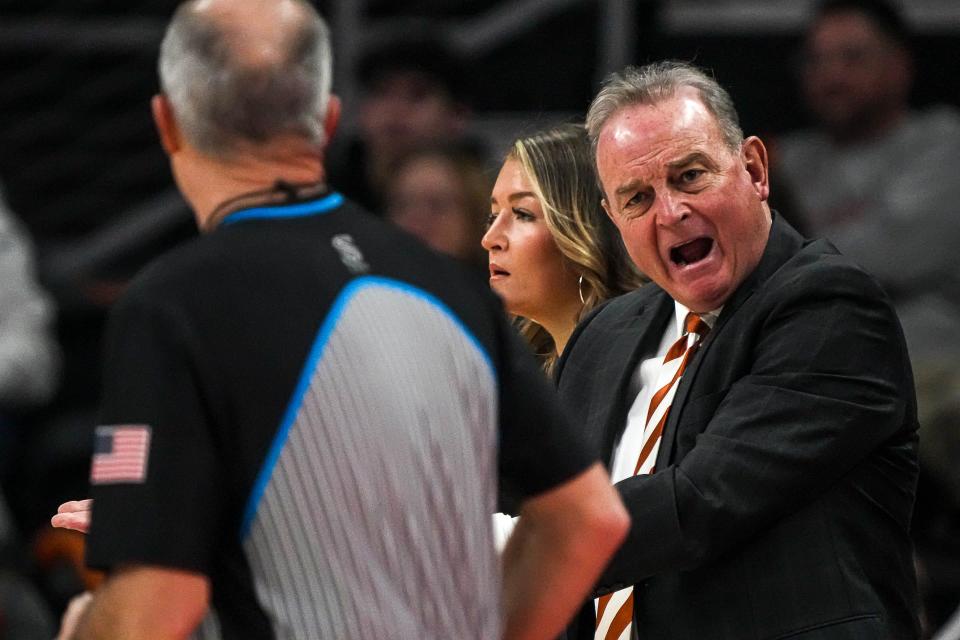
672,209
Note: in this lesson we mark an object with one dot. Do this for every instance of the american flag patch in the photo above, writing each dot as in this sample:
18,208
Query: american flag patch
120,454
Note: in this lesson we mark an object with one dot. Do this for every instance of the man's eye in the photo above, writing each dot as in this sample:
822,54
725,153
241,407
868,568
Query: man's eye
638,199
691,175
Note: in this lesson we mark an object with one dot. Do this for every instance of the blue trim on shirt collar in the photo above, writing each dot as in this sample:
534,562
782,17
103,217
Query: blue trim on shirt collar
299,210
309,369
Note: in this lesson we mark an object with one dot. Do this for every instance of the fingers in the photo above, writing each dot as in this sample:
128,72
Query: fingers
76,521
73,515
76,505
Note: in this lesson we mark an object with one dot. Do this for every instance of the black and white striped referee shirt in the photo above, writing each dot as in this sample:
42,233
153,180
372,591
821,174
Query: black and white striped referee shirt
329,409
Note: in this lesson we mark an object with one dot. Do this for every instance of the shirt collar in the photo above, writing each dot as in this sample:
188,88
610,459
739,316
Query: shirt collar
680,317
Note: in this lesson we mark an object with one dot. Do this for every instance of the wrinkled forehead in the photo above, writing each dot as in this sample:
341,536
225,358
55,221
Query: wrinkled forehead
676,126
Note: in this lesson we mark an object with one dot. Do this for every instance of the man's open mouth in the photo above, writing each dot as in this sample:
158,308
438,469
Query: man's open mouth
691,252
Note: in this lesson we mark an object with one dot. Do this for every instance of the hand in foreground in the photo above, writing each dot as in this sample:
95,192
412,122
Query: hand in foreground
74,515
75,610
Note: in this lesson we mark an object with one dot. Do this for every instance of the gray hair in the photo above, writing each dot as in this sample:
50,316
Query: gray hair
656,82
221,100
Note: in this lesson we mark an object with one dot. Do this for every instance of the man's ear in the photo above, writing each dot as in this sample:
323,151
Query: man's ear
166,124
332,118
755,160
606,208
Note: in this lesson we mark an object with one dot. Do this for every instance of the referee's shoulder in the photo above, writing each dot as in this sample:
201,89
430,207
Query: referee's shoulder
182,267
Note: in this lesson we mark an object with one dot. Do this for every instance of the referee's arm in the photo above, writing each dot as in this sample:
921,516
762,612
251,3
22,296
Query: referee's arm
147,603
563,540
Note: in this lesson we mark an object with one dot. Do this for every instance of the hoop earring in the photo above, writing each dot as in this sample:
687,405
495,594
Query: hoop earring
580,289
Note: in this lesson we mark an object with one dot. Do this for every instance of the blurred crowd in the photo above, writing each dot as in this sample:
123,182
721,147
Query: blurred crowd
872,173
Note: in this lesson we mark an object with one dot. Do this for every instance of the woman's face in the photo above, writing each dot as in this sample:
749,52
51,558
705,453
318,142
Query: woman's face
527,269
426,200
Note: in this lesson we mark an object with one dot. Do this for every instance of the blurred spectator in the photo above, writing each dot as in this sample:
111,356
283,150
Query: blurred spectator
29,356
413,93
877,178
441,195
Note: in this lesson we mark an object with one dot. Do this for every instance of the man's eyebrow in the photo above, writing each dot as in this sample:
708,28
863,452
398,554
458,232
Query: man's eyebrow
628,187
690,158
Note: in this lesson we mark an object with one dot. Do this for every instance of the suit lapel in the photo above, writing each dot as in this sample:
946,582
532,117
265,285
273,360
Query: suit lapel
633,337
680,398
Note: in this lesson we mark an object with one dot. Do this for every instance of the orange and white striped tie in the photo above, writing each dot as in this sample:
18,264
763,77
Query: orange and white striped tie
615,610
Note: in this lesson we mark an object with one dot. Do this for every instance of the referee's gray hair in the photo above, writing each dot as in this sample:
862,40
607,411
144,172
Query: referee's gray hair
656,82
221,100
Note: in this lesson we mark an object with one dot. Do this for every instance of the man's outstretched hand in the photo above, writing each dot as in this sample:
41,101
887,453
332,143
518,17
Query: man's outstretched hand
74,515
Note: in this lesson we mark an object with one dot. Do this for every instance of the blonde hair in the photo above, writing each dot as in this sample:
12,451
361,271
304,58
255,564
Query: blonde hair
559,164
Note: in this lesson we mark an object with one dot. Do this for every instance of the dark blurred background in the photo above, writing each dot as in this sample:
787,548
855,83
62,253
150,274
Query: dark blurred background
82,170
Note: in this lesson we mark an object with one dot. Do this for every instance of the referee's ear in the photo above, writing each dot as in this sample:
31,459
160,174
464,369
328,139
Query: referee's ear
332,118
166,124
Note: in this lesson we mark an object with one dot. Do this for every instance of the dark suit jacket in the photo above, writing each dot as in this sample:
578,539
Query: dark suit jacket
785,479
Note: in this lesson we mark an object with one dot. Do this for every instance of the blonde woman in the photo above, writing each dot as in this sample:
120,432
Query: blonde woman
553,253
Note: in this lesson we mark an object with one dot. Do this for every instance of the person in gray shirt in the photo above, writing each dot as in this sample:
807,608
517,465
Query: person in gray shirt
877,179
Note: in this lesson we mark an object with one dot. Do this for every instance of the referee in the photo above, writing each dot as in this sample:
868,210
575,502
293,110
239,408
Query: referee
306,413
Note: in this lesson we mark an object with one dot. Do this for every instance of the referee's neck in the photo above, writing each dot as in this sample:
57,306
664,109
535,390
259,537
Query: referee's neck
208,181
